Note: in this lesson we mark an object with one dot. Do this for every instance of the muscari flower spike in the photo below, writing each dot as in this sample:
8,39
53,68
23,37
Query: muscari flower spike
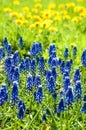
29,83
33,66
78,90
51,84
27,63
66,83
9,49
69,96
38,96
74,51
41,64
21,43
36,48
37,81
3,95
83,58
51,49
2,54
61,106
22,66
77,75
5,43
15,58
7,65
66,52
83,109
14,94
21,109
62,66
54,73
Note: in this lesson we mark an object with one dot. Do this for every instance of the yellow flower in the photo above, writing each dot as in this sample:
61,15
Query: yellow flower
20,16
52,6
73,44
37,24
57,18
83,14
53,29
37,0
24,22
32,26
29,16
80,0
34,10
38,5
14,15
37,18
16,2
47,14
7,10
45,23
25,9
66,17
69,5
79,9
76,19
64,12
18,22
61,6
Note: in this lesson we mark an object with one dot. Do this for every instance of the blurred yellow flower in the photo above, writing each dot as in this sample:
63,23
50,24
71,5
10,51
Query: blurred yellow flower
79,9
29,16
14,15
47,14
61,6
45,23
32,26
80,0
20,16
16,2
73,44
53,29
37,0
83,14
7,10
66,17
52,6
37,24
34,10
57,18
37,18
18,22
76,19
25,9
38,5
24,22
69,5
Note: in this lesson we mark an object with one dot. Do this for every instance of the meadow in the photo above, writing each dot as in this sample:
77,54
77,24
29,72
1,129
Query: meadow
42,65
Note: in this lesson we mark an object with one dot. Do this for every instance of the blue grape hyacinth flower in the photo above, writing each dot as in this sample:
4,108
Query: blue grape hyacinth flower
61,106
21,109
77,90
41,64
83,109
74,51
2,54
29,83
83,58
38,96
37,81
69,96
14,94
77,75
21,43
66,83
51,84
66,52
